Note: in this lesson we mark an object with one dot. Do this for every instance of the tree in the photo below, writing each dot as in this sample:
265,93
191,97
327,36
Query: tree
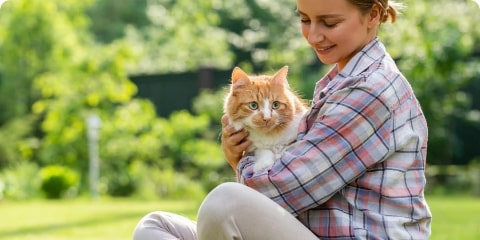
435,45
183,35
62,60
82,77
109,19
52,47
24,58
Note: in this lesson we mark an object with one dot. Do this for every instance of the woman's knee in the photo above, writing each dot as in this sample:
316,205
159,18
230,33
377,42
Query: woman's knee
221,202
215,219
147,226
164,225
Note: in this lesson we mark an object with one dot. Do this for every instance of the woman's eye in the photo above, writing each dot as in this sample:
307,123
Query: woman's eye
329,25
275,105
253,105
304,20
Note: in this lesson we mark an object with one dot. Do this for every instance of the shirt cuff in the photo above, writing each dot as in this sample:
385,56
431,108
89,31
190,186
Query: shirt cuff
242,166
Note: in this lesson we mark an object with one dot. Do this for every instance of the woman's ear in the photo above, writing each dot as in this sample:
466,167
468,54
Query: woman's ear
375,16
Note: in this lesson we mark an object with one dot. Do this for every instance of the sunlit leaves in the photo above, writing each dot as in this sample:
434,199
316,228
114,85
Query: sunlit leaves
183,36
435,45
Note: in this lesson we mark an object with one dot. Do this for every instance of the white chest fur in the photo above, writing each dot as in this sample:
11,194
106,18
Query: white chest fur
269,148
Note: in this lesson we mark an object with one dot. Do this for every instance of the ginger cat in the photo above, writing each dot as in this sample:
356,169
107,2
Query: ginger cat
268,109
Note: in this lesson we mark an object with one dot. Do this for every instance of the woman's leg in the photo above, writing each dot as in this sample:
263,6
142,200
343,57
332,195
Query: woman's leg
165,226
235,211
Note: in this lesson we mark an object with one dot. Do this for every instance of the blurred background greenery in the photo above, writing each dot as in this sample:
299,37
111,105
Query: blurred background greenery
155,72
63,60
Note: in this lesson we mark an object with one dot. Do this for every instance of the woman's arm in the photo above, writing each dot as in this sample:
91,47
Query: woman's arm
349,133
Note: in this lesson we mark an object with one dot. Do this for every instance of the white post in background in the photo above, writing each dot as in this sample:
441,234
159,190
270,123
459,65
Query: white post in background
93,132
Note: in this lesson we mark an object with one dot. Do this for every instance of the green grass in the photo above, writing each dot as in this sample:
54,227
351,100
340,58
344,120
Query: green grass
80,219
453,218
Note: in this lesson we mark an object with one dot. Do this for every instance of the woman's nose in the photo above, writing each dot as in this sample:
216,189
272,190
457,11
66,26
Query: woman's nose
315,34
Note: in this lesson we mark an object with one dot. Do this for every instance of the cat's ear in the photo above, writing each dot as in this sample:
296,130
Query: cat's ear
281,77
239,77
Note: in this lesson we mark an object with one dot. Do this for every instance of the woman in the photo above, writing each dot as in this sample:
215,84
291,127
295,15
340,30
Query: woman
356,170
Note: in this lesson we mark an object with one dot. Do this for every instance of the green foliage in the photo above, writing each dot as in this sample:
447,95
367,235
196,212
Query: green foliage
165,183
60,62
135,135
210,102
120,183
54,46
190,146
265,35
453,179
434,44
183,35
131,133
79,78
57,181
66,103
19,146
171,184
19,181
110,18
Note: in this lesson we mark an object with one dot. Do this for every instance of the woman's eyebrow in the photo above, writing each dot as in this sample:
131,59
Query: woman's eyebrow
319,16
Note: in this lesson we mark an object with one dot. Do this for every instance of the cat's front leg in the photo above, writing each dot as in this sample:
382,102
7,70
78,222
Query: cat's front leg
264,159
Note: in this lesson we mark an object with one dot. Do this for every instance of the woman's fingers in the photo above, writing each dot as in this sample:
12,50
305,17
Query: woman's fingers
234,143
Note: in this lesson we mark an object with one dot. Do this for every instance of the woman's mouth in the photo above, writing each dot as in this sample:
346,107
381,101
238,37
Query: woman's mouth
323,50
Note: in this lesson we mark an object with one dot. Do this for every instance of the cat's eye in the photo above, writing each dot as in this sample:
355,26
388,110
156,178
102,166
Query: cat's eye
275,105
253,105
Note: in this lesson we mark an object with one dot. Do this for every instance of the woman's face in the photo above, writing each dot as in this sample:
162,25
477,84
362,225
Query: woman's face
336,29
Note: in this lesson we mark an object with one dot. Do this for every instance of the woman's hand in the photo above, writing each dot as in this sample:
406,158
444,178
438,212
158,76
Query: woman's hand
234,143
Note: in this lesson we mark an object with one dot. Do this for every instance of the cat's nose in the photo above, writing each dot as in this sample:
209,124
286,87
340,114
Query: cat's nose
267,115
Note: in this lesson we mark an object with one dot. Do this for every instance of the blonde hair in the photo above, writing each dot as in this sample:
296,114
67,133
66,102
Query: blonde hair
390,9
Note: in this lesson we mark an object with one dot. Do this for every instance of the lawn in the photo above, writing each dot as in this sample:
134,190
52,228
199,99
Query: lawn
80,219
454,218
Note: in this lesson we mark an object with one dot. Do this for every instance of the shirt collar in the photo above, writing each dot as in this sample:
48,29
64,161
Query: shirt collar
369,54
361,61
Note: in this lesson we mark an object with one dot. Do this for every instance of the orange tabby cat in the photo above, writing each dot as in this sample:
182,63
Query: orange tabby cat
268,109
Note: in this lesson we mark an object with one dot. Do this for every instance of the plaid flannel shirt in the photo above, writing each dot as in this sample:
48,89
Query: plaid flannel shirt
357,169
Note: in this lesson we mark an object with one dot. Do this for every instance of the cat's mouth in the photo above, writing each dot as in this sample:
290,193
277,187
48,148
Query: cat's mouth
267,127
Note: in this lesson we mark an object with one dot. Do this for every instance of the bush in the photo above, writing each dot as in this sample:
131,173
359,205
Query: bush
171,184
19,181
453,179
16,131
156,182
121,184
57,181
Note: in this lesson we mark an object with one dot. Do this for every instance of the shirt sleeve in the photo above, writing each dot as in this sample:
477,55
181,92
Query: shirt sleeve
349,131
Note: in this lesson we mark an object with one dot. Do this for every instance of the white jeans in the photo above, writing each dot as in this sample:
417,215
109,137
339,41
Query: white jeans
230,211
